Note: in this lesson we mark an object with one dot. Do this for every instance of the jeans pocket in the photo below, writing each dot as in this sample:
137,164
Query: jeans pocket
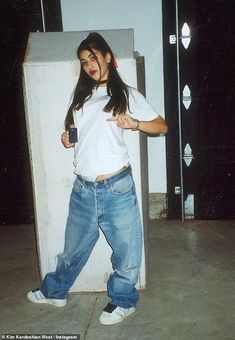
78,186
122,186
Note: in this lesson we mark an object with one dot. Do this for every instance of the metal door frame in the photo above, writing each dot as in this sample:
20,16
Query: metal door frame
179,160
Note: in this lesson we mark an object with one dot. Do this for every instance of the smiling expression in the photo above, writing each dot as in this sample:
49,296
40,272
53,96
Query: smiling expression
96,65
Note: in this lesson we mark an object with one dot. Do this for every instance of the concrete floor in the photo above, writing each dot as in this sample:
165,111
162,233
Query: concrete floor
190,293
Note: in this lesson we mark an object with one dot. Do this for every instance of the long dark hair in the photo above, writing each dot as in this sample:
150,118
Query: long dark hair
117,90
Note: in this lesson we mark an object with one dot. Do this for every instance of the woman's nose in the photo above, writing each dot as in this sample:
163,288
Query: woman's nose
89,65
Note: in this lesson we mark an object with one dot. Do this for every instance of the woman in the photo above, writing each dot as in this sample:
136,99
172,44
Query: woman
103,194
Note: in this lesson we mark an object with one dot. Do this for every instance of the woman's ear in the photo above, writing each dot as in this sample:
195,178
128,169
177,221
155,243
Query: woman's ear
108,57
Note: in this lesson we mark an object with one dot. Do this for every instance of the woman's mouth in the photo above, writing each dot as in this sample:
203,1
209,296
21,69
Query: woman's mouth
92,73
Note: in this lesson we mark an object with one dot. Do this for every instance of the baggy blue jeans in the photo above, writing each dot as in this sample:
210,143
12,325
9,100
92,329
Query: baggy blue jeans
110,205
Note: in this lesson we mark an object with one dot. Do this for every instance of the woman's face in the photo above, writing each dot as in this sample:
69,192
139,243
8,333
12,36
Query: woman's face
97,69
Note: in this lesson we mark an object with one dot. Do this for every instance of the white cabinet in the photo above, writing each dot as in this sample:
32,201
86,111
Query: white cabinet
51,71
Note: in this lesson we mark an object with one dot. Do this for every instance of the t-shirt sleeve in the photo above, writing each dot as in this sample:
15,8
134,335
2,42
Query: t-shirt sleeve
139,107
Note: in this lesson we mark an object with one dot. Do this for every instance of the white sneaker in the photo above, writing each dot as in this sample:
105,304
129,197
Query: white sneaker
113,314
36,296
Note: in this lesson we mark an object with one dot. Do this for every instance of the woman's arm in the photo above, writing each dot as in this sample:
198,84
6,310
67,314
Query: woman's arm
152,127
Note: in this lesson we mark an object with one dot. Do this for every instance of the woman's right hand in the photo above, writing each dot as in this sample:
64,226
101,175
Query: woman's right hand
65,140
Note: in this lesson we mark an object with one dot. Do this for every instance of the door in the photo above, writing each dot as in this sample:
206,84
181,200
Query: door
199,72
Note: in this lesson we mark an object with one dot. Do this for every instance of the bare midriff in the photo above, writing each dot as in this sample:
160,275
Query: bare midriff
101,177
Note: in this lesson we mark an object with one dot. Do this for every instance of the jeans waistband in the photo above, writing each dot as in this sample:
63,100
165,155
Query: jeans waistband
106,181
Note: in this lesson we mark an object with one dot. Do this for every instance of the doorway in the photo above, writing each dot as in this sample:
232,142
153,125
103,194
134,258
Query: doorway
199,73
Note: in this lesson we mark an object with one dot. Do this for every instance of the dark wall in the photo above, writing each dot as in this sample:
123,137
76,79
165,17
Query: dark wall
17,19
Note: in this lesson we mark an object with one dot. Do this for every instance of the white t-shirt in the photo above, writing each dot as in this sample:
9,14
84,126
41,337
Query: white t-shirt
101,148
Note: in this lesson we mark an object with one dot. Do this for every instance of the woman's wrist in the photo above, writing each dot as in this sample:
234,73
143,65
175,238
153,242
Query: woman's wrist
137,124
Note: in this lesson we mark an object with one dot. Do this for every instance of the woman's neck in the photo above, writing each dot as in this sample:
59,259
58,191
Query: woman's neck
102,83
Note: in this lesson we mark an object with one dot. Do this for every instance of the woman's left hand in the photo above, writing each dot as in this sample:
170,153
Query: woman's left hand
152,127
124,121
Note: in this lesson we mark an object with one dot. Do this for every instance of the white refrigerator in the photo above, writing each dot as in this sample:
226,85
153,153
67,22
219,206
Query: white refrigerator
50,73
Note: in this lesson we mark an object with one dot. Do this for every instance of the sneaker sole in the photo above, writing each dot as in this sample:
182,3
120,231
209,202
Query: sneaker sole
56,303
110,323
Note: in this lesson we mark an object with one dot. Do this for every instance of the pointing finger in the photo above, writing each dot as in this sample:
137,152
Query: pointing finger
113,119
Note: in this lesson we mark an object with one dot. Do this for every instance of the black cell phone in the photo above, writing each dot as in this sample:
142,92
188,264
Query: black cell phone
73,135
